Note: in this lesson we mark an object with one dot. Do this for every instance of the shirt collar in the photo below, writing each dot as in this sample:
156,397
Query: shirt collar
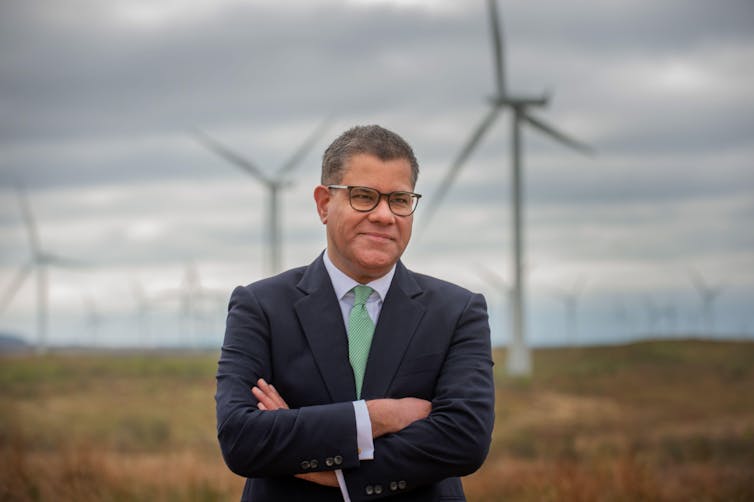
343,284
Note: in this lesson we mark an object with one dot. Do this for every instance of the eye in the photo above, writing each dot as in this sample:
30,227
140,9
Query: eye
363,195
402,199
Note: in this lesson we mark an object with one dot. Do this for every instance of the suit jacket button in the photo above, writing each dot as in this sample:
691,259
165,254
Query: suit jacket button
402,484
314,463
329,462
338,459
393,486
377,489
305,465
369,490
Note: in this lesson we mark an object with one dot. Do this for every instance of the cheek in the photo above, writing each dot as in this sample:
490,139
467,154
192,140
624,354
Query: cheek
340,227
405,232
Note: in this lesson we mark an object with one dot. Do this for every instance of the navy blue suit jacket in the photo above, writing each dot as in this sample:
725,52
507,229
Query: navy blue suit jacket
431,341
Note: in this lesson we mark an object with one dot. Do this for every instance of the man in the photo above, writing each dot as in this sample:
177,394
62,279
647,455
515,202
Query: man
327,390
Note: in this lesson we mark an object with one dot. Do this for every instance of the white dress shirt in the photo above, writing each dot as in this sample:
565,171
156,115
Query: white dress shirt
343,286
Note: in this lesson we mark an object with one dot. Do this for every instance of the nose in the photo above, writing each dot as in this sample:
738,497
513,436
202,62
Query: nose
382,213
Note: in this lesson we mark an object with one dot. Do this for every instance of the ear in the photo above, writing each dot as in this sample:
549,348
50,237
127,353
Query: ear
322,199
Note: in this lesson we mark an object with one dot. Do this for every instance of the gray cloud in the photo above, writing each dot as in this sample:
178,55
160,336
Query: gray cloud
99,102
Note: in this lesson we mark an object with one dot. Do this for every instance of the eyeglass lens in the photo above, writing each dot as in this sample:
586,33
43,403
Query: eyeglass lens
366,199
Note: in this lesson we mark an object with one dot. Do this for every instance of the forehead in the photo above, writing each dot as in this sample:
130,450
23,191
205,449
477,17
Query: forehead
386,175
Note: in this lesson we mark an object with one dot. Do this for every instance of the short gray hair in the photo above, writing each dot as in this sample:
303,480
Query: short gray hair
370,139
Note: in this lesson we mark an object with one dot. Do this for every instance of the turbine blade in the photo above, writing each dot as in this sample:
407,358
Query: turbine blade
229,155
493,278
704,288
15,285
457,164
551,131
60,261
497,48
304,149
29,222
697,281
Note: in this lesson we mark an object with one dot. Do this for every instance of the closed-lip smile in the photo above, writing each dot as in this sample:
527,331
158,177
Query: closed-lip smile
378,235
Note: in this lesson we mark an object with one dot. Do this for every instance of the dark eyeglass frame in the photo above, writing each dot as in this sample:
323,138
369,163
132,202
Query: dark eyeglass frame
389,196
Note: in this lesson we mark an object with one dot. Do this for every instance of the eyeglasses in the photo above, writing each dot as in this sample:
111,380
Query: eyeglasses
364,199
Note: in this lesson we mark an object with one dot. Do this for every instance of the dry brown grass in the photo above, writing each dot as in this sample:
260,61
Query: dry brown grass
650,421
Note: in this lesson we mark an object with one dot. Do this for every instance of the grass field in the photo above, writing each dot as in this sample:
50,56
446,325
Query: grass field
648,421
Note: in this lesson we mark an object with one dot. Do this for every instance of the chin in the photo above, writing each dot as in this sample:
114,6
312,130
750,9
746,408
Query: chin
379,264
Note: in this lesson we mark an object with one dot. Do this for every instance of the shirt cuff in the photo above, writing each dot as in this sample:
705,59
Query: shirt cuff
363,431
342,485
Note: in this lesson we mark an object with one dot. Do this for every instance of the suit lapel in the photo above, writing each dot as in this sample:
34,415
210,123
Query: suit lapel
322,323
398,321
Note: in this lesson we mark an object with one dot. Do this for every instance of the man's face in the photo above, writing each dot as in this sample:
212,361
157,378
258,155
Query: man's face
366,245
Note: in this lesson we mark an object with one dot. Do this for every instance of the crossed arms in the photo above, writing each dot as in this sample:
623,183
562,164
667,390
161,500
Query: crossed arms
448,364
386,415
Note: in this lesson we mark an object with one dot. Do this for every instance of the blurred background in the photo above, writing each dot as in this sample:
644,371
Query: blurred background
108,107
147,149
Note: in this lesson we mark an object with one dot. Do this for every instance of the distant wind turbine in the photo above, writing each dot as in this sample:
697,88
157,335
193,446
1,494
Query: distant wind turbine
570,299
622,318
142,313
708,295
39,262
93,319
497,282
519,357
191,296
273,184
662,319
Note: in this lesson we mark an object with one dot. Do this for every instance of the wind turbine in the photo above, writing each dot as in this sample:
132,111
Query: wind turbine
502,286
191,296
142,313
708,295
622,317
570,299
519,357
273,183
93,319
39,261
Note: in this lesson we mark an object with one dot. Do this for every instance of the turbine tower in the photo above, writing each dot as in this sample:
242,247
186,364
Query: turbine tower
142,313
708,295
39,262
273,184
93,319
570,299
519,357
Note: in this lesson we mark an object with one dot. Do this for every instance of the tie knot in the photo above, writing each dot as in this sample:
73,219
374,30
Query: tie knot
361,294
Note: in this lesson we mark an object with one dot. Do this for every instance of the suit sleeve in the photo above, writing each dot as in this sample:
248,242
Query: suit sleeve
454,440
258,443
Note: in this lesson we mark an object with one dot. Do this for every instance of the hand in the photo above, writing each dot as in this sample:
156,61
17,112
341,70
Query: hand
268,397
393,415
325,478
270,400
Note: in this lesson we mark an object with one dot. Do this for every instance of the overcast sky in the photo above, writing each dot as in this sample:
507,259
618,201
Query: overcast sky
99,101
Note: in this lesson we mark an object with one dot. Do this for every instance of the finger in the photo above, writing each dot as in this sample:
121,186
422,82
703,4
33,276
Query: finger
263,399
278,397
261,407
272,393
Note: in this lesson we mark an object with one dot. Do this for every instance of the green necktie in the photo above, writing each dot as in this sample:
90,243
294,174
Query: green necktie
360,331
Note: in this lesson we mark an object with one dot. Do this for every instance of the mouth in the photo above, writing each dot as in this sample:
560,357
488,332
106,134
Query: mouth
378,236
